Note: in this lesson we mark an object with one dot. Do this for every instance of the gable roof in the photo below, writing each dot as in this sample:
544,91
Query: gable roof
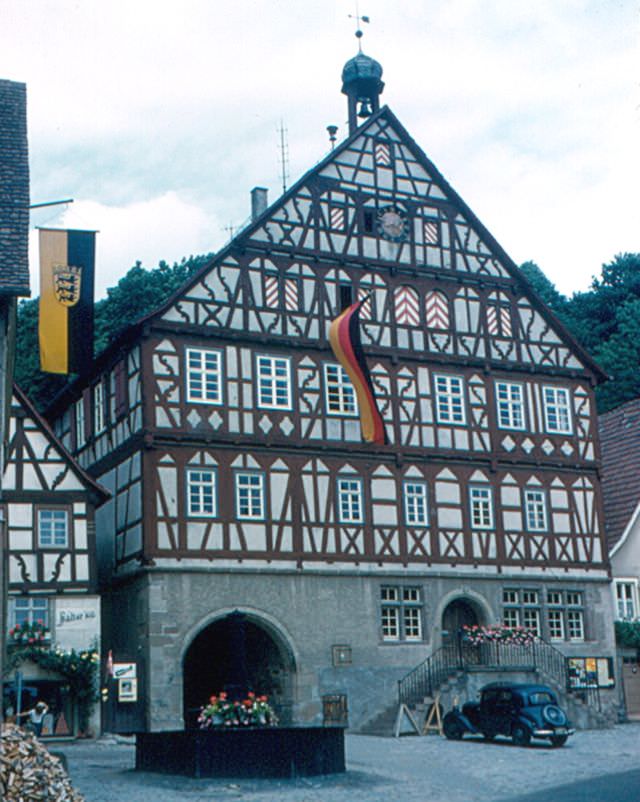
98,493
245,238
620,447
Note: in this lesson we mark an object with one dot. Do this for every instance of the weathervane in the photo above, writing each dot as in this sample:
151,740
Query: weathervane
359,19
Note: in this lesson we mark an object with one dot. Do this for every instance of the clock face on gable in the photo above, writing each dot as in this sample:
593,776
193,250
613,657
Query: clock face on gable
392,224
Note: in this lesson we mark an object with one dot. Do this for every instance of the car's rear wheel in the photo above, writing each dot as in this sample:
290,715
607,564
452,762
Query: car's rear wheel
558,740
521,735
452,729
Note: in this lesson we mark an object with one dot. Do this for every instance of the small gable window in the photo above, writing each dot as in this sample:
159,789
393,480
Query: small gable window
437,311
383,153
406,306
499,316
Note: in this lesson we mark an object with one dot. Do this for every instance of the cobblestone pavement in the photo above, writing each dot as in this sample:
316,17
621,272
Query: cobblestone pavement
411,769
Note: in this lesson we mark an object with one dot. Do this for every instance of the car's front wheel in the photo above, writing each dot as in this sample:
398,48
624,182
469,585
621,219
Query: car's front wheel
521,735
452,729
558,740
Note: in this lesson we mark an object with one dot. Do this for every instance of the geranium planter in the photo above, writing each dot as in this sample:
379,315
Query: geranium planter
243,752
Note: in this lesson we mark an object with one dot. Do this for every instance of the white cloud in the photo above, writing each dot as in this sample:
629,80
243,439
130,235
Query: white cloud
529,110
162,228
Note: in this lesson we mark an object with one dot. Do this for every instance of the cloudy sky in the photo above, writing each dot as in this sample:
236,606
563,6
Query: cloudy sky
159,117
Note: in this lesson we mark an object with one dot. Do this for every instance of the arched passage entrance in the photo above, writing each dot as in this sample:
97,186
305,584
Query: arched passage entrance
238,653
458,613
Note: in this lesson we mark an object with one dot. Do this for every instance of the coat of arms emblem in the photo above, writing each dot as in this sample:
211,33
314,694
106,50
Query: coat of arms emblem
66,284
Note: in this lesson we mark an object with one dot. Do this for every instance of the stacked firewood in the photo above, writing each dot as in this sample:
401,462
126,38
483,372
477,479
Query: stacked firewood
28,773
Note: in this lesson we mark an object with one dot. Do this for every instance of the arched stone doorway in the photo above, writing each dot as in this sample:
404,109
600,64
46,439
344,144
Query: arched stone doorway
237,654
458,613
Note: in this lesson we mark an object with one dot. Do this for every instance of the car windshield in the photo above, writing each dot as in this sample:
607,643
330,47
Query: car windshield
542,698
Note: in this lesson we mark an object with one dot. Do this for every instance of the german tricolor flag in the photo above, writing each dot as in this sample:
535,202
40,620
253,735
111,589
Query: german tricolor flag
65,327
344,336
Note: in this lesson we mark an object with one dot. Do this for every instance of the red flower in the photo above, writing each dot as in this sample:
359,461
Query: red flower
213,699
223,694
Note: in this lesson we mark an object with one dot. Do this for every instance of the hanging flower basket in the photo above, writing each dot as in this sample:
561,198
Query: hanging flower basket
497,633
254,711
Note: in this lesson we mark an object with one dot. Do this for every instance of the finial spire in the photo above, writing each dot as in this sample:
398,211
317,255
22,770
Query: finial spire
359,19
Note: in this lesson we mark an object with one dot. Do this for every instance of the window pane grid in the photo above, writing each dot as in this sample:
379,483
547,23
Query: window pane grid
274,386
250,495
201,486
341,396
30,610
511,617
556,410
575,624
510,405
401,613
204,376
53,528
535,510
350,500
390,623
556,624
415,499
481,508
531,620
449,399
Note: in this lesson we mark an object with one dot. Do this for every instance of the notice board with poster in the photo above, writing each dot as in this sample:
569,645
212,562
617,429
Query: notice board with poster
591,672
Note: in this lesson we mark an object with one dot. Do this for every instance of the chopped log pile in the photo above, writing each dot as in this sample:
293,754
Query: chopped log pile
28,773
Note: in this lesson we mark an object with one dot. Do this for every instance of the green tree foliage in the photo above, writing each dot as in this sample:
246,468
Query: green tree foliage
136,295
606,321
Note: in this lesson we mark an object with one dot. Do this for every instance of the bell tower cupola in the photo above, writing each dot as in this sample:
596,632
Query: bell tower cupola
362,84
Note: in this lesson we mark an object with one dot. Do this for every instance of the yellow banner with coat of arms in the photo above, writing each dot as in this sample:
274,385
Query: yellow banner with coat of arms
65,326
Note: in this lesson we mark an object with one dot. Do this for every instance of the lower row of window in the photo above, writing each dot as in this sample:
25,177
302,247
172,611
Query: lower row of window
555,615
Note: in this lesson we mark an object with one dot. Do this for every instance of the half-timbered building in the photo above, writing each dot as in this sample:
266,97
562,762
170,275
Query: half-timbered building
48,509
249,518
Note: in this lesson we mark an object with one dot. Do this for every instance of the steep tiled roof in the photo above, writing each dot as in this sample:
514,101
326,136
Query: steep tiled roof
14,190
620,441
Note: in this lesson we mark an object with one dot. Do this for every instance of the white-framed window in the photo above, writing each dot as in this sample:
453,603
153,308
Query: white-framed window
350,500
555,621
575,624
274,382
53,528
511,617
555,614
80,422
340,395
204,376
481,503
557,411
202,492
401,613
531,620
535,510
98,408
510,405
29,610
626,595
416,511
250,496
449,391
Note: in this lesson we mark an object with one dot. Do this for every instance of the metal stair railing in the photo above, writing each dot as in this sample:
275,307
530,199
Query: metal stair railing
427,677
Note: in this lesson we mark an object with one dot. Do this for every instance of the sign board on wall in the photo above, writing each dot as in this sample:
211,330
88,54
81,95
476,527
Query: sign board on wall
591,672
124,671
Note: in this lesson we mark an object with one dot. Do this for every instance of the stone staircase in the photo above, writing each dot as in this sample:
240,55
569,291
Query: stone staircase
458,677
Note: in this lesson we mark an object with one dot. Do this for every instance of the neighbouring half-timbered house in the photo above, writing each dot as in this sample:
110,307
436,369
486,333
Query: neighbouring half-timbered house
48,505
254,538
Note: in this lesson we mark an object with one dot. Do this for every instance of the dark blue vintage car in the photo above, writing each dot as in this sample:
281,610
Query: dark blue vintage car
519,711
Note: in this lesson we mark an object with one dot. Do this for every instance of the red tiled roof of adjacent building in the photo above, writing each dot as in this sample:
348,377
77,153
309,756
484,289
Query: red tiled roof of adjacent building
620,443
